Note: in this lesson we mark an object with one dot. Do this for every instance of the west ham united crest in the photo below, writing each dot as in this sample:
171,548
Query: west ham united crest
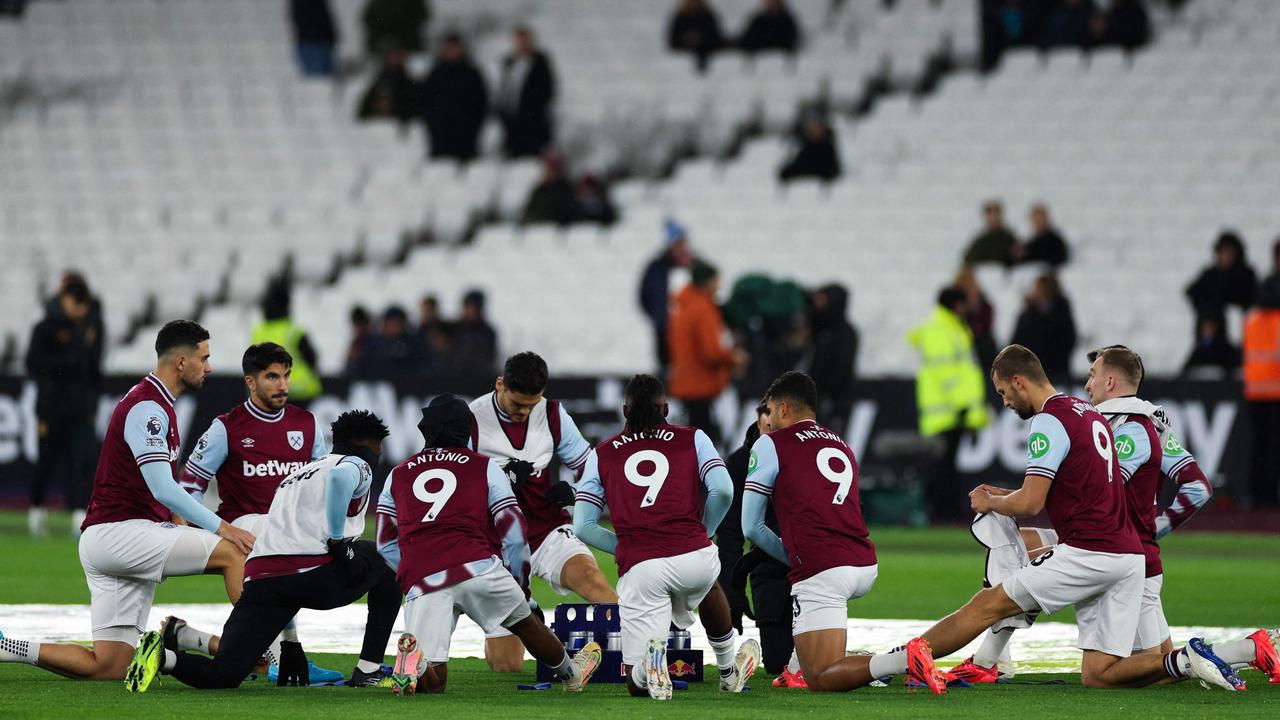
295,439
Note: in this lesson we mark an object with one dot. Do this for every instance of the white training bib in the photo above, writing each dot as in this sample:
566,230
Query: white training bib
296,523
492,439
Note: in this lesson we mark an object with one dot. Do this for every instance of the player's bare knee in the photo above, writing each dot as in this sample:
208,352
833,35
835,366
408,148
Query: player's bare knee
505,664
224,556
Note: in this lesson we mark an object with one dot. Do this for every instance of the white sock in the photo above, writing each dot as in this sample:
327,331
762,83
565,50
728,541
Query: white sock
793,665
993,645
1177,665
290,631
169,662
565,670
1236,651
724,650
638,676
893,662
190,638
273,652
19,651
367,666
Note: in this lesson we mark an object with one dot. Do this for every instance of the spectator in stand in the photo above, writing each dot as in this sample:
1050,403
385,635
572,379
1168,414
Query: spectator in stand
475,343
431,328
695,29
1047,327
655,286
835,355
817,155
1212,351
1229,281
552,199
1124,24
1006,24
314,36
772,27
454,102
392,95
64,358
362,346
526,87
1067,24
980,316
398,353
398,24
591,201
1262,387
701,366
995,244
1046,244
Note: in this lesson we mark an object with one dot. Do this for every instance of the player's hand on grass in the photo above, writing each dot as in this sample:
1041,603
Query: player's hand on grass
242,539
293,665
518,472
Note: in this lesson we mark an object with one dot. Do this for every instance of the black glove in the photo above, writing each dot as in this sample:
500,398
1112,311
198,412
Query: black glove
744,567
518,472
561,494
351,564
294,669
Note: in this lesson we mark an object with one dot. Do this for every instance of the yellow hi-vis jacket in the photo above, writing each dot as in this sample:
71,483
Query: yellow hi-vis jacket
949,386
304,383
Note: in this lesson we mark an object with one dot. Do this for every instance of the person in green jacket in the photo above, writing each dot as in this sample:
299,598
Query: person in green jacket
277,327
950,397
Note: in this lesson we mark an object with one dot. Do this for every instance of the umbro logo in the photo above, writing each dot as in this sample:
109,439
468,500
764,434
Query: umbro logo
247,442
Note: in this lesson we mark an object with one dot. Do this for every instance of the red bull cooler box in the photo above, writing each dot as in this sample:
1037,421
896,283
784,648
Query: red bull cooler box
577,624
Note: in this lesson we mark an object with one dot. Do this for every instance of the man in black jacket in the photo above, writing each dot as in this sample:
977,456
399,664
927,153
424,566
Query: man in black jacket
525,91
454,102
835,350
65,360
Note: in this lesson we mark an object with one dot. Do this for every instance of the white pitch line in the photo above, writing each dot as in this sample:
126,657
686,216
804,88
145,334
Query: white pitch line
1047,647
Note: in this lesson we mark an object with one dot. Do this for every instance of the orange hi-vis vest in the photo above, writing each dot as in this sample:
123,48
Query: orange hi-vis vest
1262,355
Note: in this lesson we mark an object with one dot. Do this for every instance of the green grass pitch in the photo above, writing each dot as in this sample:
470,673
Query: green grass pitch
1210,579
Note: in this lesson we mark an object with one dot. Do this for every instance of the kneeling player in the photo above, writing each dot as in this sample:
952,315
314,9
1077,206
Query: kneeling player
436,518
812,477
309,556
128,545
649,476
1072,472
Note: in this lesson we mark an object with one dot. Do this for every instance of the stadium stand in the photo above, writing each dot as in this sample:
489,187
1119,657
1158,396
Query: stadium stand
173,152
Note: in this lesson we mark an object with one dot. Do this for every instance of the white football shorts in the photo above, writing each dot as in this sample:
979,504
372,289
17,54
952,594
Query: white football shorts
548,560
493,599
822,601
657,593
1153,629
124,561
255,523
1105,588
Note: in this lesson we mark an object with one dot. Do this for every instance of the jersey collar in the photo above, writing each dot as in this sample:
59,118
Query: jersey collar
1046,400
164,391
257,412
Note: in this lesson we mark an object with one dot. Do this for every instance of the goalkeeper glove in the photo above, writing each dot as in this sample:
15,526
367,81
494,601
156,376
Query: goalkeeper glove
560,494
351,564
518,472
294,669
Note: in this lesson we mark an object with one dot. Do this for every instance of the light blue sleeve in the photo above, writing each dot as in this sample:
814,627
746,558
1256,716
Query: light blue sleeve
586,510
205,461
388,527
762,472
340,487
715,477
1047,446
1174,457
1133,448
573,448
319,448
146,431
500,494
509,521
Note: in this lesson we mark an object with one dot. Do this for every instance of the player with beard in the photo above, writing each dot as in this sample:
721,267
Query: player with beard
128,545
1074,474
250,450
523,431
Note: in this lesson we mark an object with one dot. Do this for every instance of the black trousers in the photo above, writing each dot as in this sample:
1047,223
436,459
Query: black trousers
699,412
943,493
771,597
68,450
266,606
1264,476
